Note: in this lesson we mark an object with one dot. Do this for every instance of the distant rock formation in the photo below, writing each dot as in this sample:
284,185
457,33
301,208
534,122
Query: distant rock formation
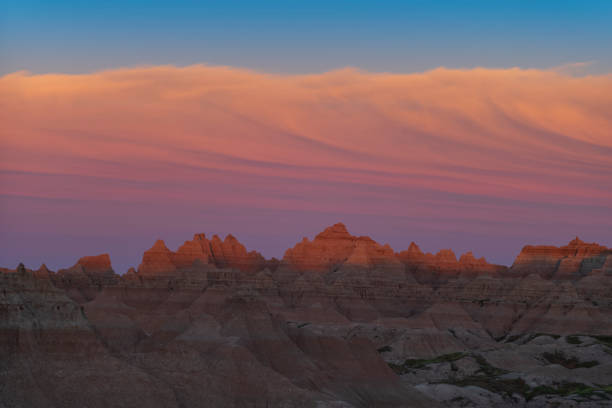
335,246
428,268
229,253
572,261
100,264
335,323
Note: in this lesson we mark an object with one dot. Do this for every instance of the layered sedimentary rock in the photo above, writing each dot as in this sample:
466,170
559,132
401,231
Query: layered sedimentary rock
228,253
335,247
334,323
443,265
572,261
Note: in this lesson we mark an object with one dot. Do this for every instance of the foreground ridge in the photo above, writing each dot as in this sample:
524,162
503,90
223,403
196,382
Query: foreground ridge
339,321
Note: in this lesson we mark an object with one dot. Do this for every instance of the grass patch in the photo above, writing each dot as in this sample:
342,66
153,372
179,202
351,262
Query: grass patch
506,387
566,389
415,364
488,369
558,357
605,340
573,340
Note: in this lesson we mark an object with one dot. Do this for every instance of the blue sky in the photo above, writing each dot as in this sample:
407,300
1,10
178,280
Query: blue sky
300,37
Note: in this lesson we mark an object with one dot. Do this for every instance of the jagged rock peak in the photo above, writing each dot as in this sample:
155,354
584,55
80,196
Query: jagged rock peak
414,248
156,260
446,255
43,268
336,246
574,260
411,255
21,269
100,262
336,231
200,251
229,238
469,259
43,272
576,241
159,245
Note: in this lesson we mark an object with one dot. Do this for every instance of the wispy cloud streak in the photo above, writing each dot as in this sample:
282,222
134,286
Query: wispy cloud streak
516,147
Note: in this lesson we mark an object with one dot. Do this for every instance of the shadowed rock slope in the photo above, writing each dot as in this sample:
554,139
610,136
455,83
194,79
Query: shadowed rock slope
340,321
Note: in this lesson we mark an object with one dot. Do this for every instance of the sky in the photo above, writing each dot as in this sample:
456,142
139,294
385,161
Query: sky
468,125
303,36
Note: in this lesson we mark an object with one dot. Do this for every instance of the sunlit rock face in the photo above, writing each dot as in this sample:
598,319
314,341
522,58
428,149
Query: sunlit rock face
572,261
334,247
333,323
229,253
430,268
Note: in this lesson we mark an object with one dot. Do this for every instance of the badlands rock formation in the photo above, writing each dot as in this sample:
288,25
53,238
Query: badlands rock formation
339,321
572,261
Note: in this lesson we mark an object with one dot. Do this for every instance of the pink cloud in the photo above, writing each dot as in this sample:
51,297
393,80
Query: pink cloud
470,145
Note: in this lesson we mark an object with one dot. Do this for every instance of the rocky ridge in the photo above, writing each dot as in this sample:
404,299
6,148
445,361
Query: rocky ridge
339,321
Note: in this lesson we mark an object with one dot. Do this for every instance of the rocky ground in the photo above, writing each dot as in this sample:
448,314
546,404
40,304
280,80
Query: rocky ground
340,321
536,370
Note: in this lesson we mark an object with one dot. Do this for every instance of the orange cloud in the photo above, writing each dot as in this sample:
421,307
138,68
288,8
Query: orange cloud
470,144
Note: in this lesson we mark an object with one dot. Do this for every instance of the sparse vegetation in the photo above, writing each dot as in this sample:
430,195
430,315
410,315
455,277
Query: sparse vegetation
558,357
415,364
515,337
565,389
506,387
605,340
486,368
488,377
573,340
384,349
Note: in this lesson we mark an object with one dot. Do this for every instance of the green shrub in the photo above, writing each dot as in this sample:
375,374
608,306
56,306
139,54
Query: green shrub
486,368
558,357
566,388
495,385
605,340
415,364
573,340
509,387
